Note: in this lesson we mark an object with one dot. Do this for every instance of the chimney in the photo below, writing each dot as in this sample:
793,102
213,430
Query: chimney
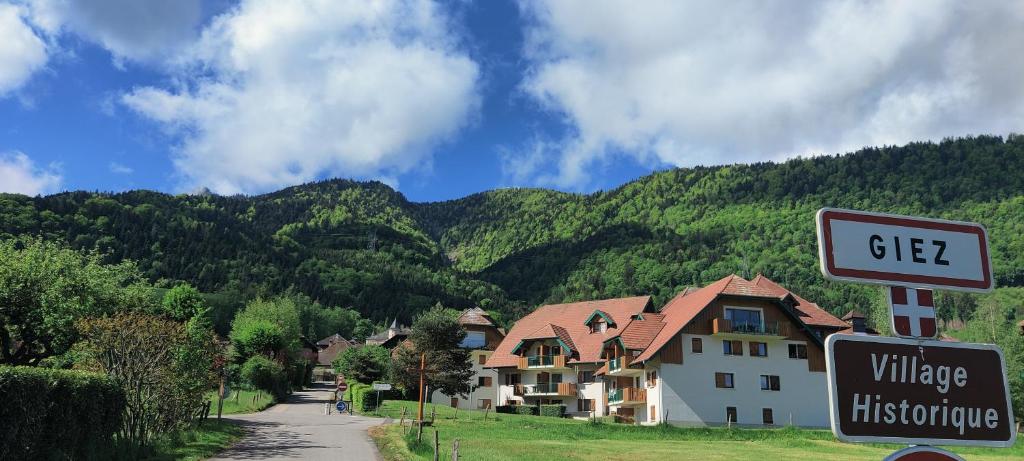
857,321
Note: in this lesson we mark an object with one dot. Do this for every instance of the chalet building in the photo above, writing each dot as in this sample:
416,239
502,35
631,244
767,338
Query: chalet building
482,337
736,351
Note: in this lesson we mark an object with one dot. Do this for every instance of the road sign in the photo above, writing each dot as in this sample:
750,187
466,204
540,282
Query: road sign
923,453
912,312
892,390
341,406
858,246
342,386
381,387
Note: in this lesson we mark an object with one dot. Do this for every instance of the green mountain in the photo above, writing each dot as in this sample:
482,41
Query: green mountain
362,244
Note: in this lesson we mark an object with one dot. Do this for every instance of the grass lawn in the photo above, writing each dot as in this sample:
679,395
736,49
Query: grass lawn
201,442
241,401
517,437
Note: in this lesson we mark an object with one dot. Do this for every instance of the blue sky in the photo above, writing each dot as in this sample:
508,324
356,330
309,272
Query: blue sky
442,100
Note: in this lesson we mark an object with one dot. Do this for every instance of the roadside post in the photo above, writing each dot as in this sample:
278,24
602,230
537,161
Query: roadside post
912,388
380,387
342,387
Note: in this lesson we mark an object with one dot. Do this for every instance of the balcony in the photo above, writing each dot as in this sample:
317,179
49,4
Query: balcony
541,361
774,330
627,396
619,366
546,389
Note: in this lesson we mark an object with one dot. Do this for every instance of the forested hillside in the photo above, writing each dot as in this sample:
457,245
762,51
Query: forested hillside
362,244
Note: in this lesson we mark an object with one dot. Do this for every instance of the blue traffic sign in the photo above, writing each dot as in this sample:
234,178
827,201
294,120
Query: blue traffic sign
341,407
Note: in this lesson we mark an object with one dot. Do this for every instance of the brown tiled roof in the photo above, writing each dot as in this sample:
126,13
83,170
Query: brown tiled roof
569,318
854,314
639,334
680,310
811,313
740,287
476,316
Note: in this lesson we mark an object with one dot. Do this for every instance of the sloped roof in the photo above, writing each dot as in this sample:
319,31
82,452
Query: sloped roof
854,314
639,333
569,319
680,311
738,286
476,316
331,340
810,313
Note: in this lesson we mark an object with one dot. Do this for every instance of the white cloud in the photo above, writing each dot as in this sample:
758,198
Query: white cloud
118,168
687,83
22,52
20,176
140,30
278,92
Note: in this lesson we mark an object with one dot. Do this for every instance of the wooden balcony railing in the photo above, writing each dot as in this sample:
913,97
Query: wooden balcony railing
618,363
624,395
721,325
560,389
541,361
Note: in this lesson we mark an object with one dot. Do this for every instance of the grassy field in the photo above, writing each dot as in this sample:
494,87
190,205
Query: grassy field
516,437
201,442
241,401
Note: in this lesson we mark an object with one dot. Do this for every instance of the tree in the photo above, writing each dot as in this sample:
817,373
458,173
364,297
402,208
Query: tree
45,288
163,368
269,327
183,302
437,334
365,364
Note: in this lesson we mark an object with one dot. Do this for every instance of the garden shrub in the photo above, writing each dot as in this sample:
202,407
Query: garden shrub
557,411
526,409
505,409
268,375
57,414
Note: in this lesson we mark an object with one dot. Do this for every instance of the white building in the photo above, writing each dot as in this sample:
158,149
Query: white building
737,351
482,337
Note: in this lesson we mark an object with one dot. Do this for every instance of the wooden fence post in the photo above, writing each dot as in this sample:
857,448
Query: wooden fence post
401,422
455,450
437,446
486,410
419,433
433,413
456,412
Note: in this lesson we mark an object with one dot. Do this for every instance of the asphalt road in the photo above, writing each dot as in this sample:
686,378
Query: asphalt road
298,429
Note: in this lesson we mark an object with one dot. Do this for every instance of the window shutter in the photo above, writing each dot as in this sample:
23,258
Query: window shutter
719,379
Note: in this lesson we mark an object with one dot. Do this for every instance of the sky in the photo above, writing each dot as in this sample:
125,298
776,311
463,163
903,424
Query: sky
445,99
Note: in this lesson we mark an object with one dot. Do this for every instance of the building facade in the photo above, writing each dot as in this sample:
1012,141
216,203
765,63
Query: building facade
734,352
482,337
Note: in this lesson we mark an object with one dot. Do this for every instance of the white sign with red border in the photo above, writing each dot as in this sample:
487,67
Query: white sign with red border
864,247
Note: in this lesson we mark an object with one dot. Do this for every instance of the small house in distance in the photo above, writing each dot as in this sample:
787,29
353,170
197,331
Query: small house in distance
330,347
482,337
391,337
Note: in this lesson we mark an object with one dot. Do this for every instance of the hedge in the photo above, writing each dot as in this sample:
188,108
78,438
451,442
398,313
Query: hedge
526,409
364,398
57,414
505,409
552,410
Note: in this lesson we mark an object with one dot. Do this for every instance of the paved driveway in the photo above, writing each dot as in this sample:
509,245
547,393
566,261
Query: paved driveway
298,429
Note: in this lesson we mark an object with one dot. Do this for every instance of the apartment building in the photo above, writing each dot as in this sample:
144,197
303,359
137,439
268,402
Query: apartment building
734,352
482,337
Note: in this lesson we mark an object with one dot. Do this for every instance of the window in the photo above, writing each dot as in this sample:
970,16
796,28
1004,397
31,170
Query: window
555,350
585,405
598,326
455,402
483,381
696,346
766,416
555,377
723,380
512,379
798,351
483,359
652,415
732,347
758,349
769,382
744,319
484,404
730,414
474,340
585,377
652,378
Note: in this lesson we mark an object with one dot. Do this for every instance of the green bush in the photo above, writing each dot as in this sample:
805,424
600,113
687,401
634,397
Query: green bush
268,375
57,414
526,409
505,409
301,373
557,411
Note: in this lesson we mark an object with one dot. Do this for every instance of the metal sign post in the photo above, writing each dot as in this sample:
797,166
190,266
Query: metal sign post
912,389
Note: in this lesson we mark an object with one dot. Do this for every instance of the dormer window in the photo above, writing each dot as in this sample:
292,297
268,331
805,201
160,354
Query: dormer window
599,322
